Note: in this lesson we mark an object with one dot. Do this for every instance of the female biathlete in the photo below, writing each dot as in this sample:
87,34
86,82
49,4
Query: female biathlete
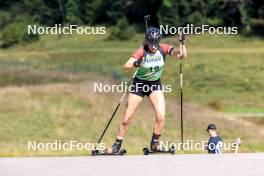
149,60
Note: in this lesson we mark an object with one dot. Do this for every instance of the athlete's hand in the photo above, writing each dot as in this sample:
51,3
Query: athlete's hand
137,63
182,39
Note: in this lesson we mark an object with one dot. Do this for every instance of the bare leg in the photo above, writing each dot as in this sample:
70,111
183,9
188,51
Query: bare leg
158,103
132,105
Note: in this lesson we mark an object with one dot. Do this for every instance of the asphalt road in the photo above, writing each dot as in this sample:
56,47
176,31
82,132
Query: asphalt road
154,165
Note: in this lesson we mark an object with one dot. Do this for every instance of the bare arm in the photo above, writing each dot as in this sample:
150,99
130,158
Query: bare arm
135,60
181,53
130,63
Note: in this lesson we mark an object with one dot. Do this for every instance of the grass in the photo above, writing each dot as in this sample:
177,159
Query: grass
244,110
69,112
46,95
218,68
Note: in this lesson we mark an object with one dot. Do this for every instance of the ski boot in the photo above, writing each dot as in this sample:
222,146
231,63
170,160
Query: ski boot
154,144
116,146
115,150
155,148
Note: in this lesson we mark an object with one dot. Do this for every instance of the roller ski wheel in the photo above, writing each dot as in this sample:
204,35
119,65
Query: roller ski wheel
95,152
147,151
105,153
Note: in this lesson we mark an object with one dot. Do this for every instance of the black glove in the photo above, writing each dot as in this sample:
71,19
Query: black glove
182,39
137,63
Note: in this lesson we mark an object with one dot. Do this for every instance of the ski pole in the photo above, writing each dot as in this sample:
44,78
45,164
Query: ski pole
181,93
119,103
146,19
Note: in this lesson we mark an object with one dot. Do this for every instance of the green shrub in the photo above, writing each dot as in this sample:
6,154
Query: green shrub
122,31
257,27
5,17
15,32
215,22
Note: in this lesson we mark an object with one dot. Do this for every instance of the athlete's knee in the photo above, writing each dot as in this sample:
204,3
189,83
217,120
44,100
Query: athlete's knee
126,120
160,117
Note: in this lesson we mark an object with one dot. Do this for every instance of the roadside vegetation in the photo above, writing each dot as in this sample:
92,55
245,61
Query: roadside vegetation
46,92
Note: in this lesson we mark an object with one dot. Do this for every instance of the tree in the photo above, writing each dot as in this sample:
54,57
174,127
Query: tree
181,12
71,10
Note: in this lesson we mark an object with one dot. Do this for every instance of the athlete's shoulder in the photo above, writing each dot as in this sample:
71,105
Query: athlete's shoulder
168,49
139,53
219,138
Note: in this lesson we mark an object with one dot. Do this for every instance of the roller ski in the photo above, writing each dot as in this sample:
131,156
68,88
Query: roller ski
147,151
116,150
105,153
155,147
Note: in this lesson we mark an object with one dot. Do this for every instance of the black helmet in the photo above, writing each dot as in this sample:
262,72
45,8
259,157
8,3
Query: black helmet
211,127
153,37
